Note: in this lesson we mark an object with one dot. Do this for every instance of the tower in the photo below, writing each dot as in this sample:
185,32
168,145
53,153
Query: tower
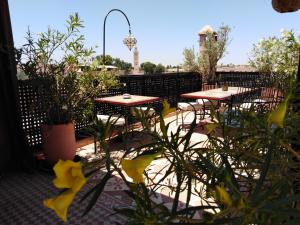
136,68
207,38
207,29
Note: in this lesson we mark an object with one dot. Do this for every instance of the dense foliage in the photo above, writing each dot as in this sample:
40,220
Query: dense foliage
108,60
57,62
117,62
277,56
148,67
122,65
151,68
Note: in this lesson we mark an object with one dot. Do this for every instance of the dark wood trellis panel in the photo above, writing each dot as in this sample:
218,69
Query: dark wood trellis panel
32,117
238,79
165,86
108,109
30,94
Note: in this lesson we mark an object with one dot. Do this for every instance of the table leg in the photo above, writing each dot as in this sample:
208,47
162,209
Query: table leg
126,133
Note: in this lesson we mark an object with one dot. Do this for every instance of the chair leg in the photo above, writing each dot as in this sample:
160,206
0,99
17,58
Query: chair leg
176,117
182,120
95,145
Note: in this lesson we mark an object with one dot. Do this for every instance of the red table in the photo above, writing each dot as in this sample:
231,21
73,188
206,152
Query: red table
134,100
217,94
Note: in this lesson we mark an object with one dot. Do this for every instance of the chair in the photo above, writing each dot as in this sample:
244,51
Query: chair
206,87
208,105
143,109
264,99
116,120
145,112
236,103
187,107
201,107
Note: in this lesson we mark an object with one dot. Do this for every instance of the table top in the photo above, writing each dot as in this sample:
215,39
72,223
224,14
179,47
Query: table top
216,94
134,100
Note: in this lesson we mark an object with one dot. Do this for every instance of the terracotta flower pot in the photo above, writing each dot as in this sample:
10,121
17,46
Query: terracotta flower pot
59,142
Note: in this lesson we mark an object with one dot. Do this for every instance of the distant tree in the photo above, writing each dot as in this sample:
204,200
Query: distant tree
121,64
159,68
108,60
148,67
207,61
191,60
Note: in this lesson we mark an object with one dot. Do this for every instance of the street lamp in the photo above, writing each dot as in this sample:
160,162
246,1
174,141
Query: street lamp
129,41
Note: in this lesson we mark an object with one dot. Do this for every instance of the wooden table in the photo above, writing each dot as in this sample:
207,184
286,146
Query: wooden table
216,94
120,100
134,100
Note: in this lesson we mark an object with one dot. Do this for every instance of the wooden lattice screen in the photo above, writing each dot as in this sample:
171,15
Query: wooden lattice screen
31,116
239,79
165,86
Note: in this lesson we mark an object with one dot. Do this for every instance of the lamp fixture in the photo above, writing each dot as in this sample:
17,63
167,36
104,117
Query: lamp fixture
130,41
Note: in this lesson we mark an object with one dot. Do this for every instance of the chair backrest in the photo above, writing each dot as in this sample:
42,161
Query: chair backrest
242,95
272,96
206,87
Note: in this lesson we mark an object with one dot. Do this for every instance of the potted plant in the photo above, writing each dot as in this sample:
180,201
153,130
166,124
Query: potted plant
53,63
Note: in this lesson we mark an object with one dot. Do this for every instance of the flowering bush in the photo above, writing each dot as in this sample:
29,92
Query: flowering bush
278,56
58,63
247,174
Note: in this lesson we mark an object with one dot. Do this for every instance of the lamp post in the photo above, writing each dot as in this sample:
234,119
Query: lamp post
129,41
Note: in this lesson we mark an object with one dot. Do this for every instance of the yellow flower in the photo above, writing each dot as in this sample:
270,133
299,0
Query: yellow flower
61,203
211,127
223,196
166,108
68,175
241,204
277,116
134,168
149,221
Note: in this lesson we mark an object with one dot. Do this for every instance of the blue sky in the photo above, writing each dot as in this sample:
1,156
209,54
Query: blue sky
163,28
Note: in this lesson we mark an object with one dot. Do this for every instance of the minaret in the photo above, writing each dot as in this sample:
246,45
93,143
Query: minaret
209,70
202,36
136,68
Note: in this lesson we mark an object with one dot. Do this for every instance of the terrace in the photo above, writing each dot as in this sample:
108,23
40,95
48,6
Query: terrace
156,149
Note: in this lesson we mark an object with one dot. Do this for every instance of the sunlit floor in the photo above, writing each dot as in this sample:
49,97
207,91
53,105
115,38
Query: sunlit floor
22,194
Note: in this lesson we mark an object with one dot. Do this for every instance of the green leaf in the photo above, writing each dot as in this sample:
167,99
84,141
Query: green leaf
98,190
264,171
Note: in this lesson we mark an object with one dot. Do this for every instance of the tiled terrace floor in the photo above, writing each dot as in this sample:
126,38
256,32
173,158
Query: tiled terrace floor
21,196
